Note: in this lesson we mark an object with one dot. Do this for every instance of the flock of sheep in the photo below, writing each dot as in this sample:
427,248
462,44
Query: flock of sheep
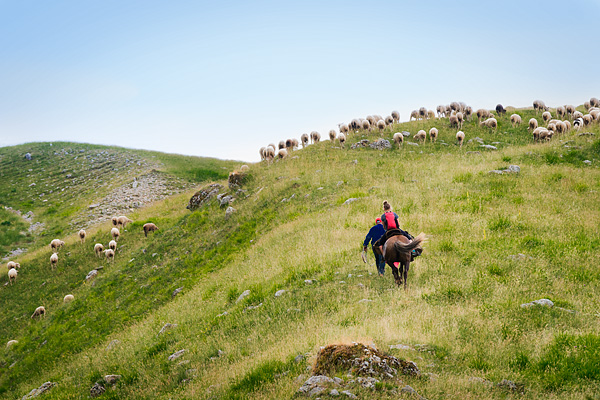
57,244
457,113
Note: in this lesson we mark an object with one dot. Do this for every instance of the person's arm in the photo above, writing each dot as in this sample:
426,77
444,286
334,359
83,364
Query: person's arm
367,240
396,219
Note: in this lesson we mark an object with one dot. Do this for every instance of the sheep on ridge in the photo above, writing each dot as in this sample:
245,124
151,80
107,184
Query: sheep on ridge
332,135
414,114
39,312
114,221
595,102
490,123
282,153
304,140
263,153
561,111
389,120
396,116
539,105
441,111
570,110
460,118
149,227
53,260
270,153
315,137
366,125
453,121
515,120
398,138
342,139
577,114
123,221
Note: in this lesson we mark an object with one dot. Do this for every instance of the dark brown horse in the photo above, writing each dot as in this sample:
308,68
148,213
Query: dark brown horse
397,249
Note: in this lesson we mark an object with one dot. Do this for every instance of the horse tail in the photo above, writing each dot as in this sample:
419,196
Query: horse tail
416,243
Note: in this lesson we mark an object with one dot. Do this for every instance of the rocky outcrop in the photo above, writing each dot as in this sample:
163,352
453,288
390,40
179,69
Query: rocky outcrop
203,196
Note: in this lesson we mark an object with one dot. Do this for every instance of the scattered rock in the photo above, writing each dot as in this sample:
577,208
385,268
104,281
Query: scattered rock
520,256
362,143
586,134
92,206
540,302
243,295
36,392
350,200
229,211
279,293
91,275
224,313
412,143
112,344
488,146
166,327
409,390
32,184
400,347
334,393
28,156
405,133
176,291
97,390
308,281
365,301
225,199
349,394
316,385
176,355
511,386
299,358
367,383
111,379
588,162
254,307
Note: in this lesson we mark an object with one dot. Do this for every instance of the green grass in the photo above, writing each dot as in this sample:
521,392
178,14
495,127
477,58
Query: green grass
461,313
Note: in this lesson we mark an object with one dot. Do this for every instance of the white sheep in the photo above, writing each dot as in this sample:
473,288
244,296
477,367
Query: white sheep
281,145
12,275
56,244
538,132
294,144
123,221
587,119
110,254
342,139
98,249
53,260
315,137
381,125
389,120
396,116
595,114
468,112
414,114
490,123
114,221
82,235
460,118
398,138
533,124
539,105
112,245
304,140
561,111
577,114
433,134
270,153
546,116
289,144
39,312
149,227
441,111
568,125
587,105
595,102
263,153
578,123
68,298
515,120
422,113
11,264
430,114
460,137
420,136
560,127
114,232
570,109
332,135
483,113
453,121
282,153
366,125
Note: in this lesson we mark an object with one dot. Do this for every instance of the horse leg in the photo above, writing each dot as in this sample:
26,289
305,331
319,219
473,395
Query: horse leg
397,277
405,272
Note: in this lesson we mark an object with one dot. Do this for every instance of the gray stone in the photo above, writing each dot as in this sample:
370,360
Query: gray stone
350,200
349,394
365,301
176,355
224,199
299,358
488,146
412,143
36,392
279,293
540,302
254,307
405,133
112,344
514,169
381,144
308,281
367,383
111,379
588,162
166,327
316,385
229,211
28,156
334,393
176,291
496,171
91,275
400,347
509,385
243,295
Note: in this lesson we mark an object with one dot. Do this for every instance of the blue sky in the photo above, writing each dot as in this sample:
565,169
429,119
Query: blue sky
222,79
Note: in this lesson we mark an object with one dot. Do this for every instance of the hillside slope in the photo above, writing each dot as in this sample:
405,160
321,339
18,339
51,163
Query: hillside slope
495,242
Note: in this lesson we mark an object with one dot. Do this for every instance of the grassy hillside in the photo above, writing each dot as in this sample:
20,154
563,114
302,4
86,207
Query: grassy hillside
495,242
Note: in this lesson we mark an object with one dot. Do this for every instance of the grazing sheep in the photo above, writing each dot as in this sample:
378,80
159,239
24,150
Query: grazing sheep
441,111
455,106
366,125
433,134
110,254
560,127
68,298
568,125
552,126
281,145
448,111
272,145
587,105
53,260
263,153
561,111
482,113
500,110
460,117
533,124
577,114
11,264
344,129
354,125
515,120
546,116
389,120
538,132
282,153
342,139
289,144
114,221
453,121
396,116
123,220
422,112
468,112
460,137
270,153
539,105
294,144
595,102
490,123
414,114
98,249
114,232
12,275
332,135
595,114
11,343
398,138
430,114
315,137
578,123
82,236
149,227
112,245
570,110
304,139
56,244
39,312
381,125
587,119
420,136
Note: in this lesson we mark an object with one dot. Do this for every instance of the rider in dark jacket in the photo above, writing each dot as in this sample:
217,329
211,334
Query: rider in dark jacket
375,233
